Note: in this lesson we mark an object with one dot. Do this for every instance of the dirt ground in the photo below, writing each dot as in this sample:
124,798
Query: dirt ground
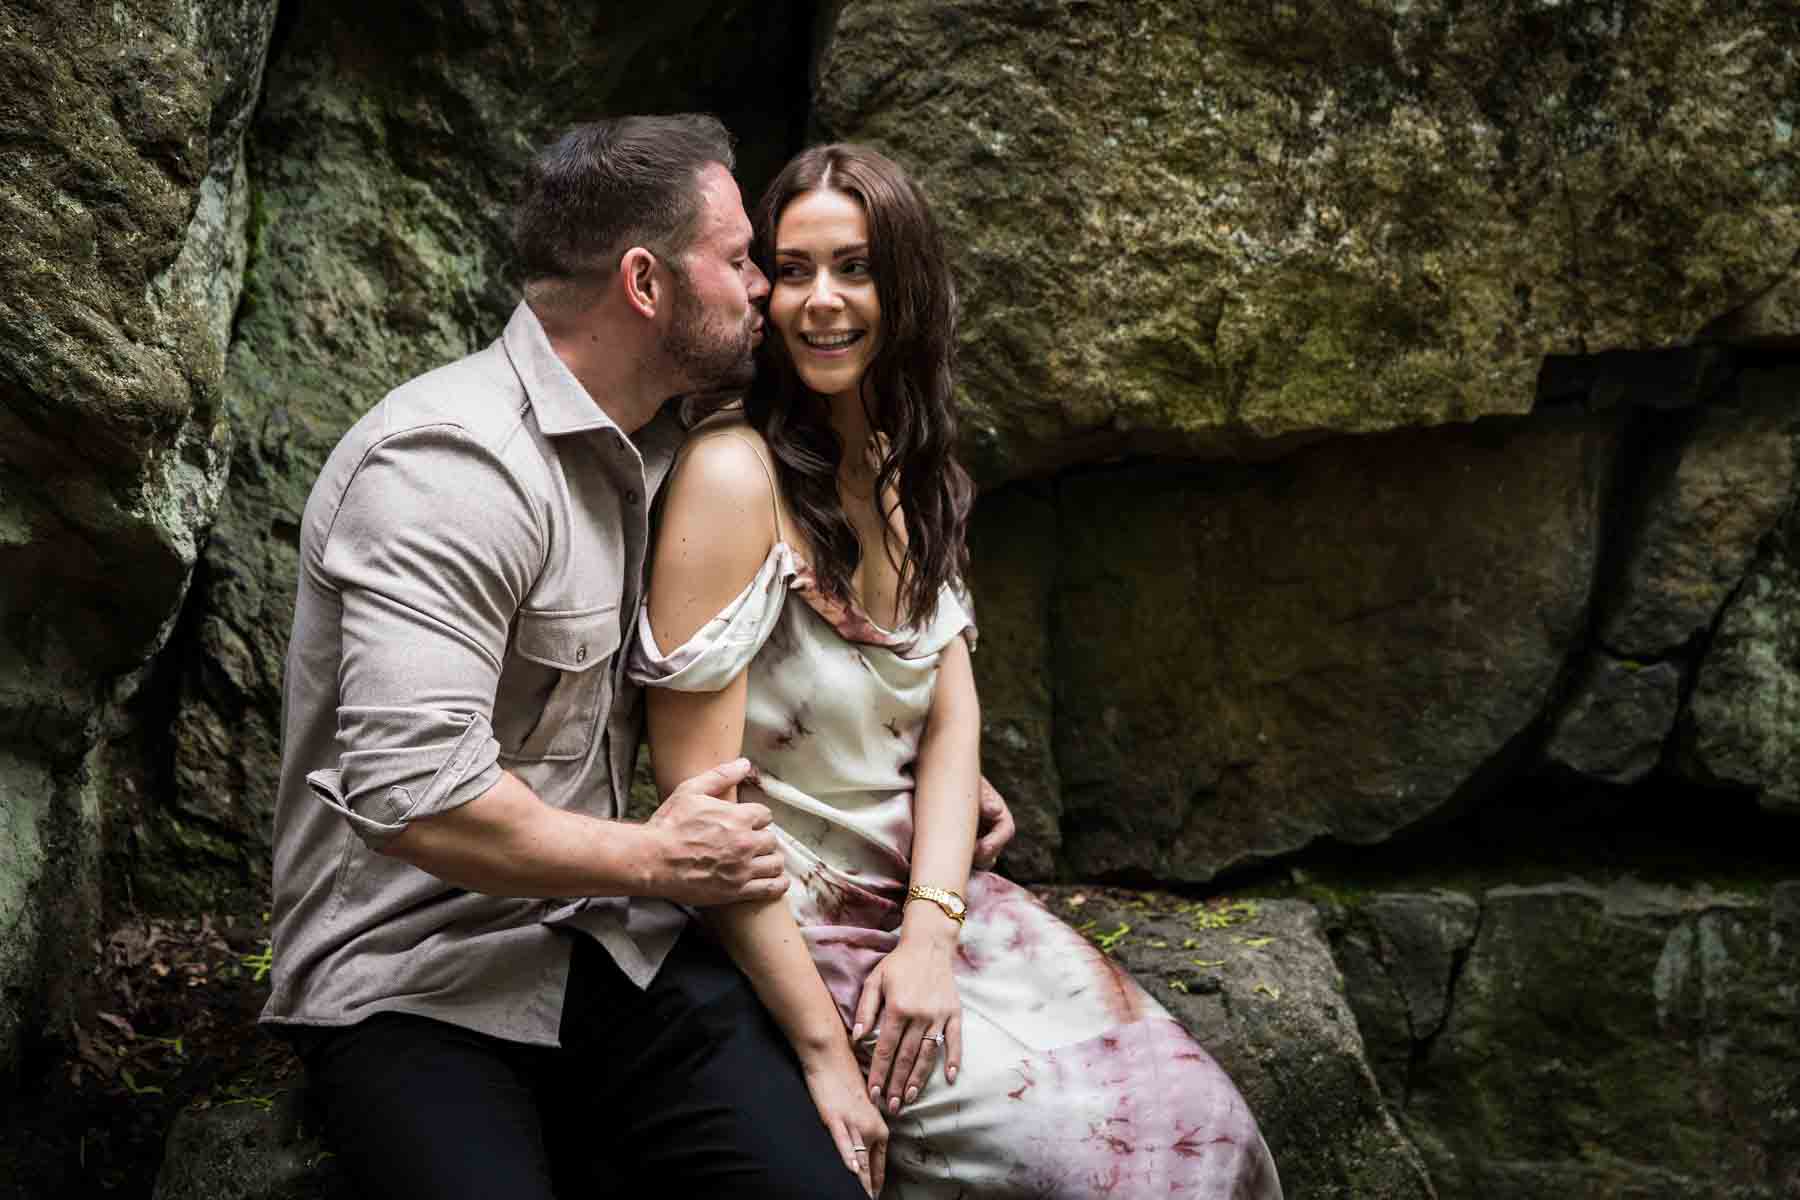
175,1019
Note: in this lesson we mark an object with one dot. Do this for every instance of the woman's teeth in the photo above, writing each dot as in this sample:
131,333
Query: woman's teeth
831,341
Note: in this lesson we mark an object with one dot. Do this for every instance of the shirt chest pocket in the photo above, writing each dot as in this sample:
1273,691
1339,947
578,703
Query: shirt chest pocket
556,685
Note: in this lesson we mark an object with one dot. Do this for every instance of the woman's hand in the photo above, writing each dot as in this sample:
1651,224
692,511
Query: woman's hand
910,998
853,1121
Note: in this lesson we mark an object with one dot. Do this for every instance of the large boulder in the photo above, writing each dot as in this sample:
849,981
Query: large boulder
1618,1040
1400,953
1202,227
1337,646
1255,983
257,1148
386,154
1012,558
1743,720
1711,485
122,218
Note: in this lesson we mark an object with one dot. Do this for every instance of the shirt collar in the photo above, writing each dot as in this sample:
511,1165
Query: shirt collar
558,400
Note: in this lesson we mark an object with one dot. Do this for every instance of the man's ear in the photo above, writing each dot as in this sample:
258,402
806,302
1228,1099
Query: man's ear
637,275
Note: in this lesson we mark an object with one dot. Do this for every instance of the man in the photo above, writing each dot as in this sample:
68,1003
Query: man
487,972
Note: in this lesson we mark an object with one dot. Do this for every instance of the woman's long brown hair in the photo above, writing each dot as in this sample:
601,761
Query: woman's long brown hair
906,392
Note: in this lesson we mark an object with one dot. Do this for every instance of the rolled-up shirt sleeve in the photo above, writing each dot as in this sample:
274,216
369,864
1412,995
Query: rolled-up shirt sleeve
431,551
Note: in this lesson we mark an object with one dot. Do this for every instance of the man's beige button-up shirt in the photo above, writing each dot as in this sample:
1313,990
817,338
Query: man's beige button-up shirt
470,560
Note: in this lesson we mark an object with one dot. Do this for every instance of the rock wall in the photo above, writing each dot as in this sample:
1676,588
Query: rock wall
1583,1040
1198,227
122,209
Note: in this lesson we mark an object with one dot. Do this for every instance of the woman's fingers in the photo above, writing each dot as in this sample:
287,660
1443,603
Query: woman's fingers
878,1161
886,1046
930,1050
847,1145
868,1005
906,1061
952,1047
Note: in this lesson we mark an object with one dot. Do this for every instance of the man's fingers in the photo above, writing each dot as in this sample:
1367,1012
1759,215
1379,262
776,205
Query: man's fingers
758,814
997,826
766,889
719,780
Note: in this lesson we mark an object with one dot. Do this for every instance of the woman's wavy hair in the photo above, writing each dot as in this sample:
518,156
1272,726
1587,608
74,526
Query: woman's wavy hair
907,390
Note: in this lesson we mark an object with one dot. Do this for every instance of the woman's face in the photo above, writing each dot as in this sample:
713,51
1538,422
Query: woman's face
823,300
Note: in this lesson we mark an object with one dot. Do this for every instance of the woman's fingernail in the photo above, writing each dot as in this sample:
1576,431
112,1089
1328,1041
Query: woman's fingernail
875,1095
856,1031
950,1074
912,1093
893,1105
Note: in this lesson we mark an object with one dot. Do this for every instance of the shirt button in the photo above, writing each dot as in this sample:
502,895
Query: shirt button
631,497
581,653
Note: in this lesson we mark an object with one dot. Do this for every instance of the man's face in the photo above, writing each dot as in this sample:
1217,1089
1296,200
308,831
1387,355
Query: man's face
714,324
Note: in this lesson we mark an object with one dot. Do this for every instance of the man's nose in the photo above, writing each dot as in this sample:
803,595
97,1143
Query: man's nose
759,284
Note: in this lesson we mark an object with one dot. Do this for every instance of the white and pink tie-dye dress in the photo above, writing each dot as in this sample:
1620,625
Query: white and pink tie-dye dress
1075,1082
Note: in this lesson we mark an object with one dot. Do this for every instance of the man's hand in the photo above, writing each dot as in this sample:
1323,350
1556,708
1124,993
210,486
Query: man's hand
711,849
994,829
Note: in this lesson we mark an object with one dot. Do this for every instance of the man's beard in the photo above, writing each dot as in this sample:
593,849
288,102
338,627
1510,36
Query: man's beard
711,359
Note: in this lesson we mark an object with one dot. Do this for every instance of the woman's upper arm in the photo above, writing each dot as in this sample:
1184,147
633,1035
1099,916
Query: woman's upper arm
717,528
954,702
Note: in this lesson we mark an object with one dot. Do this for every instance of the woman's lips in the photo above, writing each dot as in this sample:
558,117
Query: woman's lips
833,343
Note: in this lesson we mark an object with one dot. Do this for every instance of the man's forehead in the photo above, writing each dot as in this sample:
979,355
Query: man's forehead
721,204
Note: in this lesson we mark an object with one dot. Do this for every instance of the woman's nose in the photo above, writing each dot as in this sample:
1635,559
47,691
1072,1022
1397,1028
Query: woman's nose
824,294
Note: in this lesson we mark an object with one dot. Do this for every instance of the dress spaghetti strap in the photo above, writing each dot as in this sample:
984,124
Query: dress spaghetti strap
774,490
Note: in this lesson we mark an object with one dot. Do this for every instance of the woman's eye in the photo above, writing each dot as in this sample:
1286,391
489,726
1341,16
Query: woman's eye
856,268
790,271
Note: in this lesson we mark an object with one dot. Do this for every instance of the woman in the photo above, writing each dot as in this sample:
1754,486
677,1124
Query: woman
805,587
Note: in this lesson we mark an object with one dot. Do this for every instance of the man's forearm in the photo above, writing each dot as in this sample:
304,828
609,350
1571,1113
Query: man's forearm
508,842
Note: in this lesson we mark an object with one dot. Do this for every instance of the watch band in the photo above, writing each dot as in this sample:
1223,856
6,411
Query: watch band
953,905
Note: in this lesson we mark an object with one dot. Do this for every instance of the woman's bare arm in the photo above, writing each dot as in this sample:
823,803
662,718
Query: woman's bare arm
911,997
717,529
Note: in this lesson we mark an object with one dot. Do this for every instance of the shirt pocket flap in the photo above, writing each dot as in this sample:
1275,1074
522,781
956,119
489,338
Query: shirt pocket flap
568,641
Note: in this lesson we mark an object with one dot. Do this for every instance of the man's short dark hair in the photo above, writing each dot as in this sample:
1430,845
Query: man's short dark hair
606,186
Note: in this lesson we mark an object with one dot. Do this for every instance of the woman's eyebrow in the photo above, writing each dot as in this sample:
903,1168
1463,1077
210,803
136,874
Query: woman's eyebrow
840,252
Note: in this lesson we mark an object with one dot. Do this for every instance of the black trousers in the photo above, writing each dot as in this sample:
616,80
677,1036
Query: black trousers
686,1089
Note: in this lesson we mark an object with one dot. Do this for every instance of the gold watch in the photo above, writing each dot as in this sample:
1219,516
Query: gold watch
944,898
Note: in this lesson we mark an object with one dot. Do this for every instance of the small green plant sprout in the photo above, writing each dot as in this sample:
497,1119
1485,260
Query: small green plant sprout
176,1045
260,963
1208,962
1269,990
131,1084
1178,984
1255,943
1106,941
1223,915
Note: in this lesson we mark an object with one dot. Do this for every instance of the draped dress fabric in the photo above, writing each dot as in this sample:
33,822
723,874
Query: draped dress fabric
1074,1081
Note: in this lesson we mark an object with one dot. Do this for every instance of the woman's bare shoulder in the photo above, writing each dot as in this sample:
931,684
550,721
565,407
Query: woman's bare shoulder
722,476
